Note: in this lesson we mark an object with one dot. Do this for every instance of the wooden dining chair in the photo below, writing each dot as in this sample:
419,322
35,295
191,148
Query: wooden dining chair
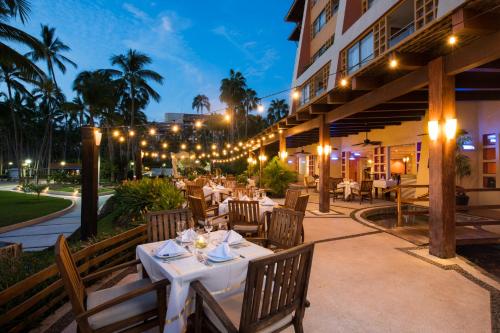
200,181
364,191
162,225
309,182
284,230
274,297
291,197
229,183
333,188
133,307
244,216
200,214
197,191
242,191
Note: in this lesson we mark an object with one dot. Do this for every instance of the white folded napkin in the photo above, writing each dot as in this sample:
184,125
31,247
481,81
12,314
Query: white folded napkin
245,198
232,237
169,249
222,251
266,202
188,235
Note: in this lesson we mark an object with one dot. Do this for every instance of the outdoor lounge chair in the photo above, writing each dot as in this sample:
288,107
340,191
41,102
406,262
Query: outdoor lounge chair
133,307
269,303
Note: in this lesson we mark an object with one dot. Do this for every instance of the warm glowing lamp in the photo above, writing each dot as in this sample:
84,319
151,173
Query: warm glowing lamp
98,137
295,95
433,128
450,128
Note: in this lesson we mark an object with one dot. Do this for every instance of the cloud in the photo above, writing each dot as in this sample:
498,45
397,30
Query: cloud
166,24
135,11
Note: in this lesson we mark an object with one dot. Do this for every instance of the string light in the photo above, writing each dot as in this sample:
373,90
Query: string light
452,40
116,133
183,146
121,139
131,133
152,131
165,145
175,128
393,63
144,143
198,147
197,124
214,147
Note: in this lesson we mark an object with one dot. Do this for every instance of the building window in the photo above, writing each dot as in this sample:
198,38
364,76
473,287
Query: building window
322,49
360,53
305,93
319,22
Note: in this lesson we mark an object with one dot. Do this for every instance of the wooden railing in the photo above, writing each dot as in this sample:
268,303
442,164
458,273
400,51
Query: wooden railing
30,300
425,198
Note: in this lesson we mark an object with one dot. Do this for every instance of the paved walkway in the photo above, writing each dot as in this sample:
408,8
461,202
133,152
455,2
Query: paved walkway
43,235
366,280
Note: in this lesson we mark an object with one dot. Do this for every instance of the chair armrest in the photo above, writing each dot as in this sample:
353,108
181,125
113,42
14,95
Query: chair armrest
106,271
259,240
218,217
204,295
123,298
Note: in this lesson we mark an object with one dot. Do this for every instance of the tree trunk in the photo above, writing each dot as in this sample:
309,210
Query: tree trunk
17,154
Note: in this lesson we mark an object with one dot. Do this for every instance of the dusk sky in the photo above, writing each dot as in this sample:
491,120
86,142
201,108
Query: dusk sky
193,43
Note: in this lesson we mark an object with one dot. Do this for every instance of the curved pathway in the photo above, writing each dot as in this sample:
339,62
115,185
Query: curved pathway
43,235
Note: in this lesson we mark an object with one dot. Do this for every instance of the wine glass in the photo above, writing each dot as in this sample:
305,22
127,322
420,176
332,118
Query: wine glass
208,227
181,226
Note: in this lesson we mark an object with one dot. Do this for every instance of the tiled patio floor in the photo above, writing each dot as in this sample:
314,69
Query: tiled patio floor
365,280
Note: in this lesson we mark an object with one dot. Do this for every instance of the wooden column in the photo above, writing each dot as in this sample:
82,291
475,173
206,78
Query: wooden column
138,164
89,199
324,166
282,142
441,163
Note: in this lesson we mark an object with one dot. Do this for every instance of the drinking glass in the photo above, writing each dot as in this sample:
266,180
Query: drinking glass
181,226
208,227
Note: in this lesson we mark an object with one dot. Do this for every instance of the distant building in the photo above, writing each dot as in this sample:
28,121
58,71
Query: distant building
186,127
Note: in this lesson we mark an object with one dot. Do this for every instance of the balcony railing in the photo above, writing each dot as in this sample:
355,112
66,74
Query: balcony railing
401,34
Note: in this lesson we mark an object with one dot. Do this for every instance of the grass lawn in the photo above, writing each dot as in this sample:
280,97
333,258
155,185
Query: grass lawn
20,207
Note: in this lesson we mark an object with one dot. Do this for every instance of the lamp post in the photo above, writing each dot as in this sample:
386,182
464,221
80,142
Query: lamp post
91,140
406,160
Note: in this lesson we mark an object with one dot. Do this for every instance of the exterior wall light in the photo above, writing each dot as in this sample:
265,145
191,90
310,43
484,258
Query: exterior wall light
98,137
433,129
450,128
283,154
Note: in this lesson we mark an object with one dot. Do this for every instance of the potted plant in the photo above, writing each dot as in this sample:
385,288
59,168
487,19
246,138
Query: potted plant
462,169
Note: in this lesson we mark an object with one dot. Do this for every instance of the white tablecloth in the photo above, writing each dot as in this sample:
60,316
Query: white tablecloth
348,188
220,278
382,183
223,209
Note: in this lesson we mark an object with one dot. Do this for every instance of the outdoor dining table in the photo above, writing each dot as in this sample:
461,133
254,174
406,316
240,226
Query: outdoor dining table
348,186
383,184
221,279
216,191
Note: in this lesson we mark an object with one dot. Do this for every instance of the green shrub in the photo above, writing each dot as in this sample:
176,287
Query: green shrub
62,177
133,199
277,176
36,188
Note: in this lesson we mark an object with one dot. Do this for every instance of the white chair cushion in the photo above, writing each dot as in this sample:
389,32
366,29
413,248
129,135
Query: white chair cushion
232,307
135,306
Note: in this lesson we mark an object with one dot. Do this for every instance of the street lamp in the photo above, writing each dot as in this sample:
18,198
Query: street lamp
406,160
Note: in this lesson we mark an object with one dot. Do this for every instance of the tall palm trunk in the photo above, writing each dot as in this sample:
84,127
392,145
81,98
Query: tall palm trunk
49,148
17,150
132,116
65,148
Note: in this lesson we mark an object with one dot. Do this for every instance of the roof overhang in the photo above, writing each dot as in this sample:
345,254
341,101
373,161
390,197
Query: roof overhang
296,12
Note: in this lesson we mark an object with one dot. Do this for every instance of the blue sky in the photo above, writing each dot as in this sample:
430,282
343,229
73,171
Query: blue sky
193,43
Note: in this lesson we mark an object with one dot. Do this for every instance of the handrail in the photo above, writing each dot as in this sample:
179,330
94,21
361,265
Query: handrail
29,300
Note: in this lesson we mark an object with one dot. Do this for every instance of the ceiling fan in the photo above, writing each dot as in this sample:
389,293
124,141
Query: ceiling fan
367,142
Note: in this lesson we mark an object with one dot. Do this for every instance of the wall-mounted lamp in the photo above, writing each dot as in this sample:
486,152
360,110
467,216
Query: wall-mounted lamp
324,150
433,129
283,154
450,128
262,158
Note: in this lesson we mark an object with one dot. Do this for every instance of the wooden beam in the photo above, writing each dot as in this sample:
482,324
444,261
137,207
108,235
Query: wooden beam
300,116
324,167
410,61
478,80
364,83
320,108
304,127
441,163
399,107
468,22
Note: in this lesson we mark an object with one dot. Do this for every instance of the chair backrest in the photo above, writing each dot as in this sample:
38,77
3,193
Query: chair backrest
70,276
229,183
366,185
241,191
301,203
243,212
197,191
162,225
291,198
197,208
285,228
200,181
334,182
276,286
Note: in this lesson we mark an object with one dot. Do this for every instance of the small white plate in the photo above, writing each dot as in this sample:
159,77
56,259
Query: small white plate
178,239
217,259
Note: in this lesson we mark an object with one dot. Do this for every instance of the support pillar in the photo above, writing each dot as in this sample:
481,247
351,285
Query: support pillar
89,198
138,164
324,166
441,163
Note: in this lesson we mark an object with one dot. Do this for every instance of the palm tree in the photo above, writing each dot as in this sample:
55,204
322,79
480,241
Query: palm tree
96,90
50,100
250,102
232,92
9,10
201,102
133,76
277,110
51,52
